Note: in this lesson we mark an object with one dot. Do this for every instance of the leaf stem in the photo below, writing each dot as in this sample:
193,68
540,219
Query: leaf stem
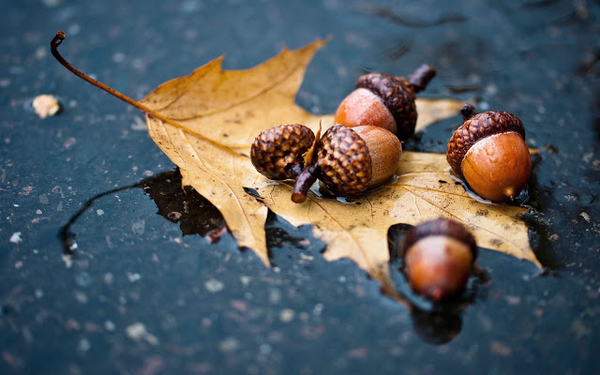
58,39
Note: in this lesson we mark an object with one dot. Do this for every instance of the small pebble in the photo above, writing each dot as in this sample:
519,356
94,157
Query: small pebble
318,309
245,280
137,331
286,315
214,285
84,345
81,297
133,277
109,326
45,105
229,345
16,238
585,216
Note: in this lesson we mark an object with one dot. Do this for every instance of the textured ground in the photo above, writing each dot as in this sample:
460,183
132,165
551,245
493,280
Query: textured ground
146,295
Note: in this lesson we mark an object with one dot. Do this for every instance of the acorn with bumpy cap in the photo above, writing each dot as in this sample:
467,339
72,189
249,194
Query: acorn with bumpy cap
385,101
489,152
351,161
279,152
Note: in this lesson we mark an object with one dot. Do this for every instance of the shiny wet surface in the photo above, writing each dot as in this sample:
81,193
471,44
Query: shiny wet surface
149,294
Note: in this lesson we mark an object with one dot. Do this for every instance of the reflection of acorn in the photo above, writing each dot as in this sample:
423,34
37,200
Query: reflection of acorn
490,153
436,327
278,152
385,101
438,258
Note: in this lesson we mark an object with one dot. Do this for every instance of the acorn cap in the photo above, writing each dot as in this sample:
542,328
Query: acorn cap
344,161
278,152
477,127
439,227
352,160
399,96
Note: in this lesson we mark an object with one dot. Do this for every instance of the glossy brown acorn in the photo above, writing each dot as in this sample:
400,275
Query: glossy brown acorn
385,101
351,160
489,152
278,153
439,256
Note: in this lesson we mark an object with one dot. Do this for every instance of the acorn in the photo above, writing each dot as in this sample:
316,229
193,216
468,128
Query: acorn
385,101
351,161
489,152
278,153
439,256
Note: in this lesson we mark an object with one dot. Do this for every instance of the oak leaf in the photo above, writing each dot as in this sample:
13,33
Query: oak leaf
216,114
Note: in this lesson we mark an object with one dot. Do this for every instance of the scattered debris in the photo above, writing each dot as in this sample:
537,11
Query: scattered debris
137,331
109,326
84,345
133,277
245,280
68,259
214,285
286,315
138,124
229,345
45,105
585,216
16,238
500,349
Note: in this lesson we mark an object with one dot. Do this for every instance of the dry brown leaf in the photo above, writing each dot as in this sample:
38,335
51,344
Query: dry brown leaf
220,113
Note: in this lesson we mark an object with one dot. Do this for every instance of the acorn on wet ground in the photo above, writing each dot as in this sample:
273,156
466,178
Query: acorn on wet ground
489,152
385,101
439,257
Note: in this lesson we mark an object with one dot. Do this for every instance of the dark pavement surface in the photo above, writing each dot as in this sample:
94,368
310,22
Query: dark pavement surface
148,294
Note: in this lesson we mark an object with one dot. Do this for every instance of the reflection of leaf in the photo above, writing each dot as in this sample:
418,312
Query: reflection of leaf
220,113
193,212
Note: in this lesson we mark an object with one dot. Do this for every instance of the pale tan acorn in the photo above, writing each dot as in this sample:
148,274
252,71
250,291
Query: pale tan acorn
489,152
278,153
439,256
351,161
385,101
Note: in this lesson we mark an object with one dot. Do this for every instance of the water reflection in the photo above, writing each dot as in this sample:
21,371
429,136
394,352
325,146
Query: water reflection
436,327
183,206
434,323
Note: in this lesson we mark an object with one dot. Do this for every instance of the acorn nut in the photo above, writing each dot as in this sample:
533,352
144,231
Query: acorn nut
385,101
439,256
278,152
351,160
489,152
